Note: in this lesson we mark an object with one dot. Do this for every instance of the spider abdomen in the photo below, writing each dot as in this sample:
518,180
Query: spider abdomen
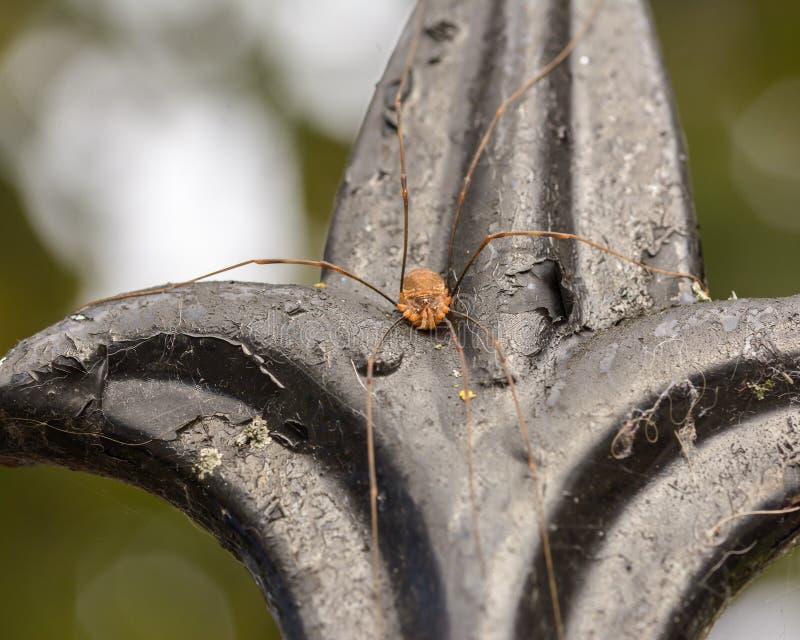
424,300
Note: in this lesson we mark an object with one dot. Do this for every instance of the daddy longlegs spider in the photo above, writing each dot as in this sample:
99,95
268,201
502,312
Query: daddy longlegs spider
424,301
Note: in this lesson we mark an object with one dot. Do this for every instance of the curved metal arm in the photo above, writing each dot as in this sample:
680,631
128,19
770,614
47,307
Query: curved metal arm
239,403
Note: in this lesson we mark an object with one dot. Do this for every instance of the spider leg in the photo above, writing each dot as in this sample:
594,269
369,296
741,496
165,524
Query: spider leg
373,482
534,469
398,109
321,264
557,235
544,71
470,452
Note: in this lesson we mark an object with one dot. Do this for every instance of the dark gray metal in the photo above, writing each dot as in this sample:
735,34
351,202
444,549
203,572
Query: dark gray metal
169,392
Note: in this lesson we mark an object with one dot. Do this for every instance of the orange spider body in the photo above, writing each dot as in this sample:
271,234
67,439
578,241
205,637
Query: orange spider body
424,300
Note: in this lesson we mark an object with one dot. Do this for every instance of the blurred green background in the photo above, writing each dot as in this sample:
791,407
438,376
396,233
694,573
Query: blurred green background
84,557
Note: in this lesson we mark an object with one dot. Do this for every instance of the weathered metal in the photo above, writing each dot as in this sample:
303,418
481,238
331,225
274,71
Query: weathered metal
239,403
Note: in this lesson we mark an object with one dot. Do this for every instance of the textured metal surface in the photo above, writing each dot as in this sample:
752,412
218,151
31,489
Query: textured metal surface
143,389
594,149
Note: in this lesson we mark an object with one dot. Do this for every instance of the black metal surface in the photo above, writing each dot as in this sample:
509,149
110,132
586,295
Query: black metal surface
157,390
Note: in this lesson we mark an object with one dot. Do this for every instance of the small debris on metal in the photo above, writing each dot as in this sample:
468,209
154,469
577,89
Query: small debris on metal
761,389
701,295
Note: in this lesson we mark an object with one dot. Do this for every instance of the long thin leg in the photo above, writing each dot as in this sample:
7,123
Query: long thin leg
570,236
373,485
537,482
470,450
321,264
398,109
546,69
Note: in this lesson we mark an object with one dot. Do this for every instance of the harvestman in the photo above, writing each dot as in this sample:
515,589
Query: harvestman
424,300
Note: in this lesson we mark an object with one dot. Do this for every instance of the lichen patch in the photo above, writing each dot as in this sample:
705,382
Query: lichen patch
254,434
210,459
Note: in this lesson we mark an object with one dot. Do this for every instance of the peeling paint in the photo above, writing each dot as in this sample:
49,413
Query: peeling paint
268,373
729,321
667,329
608,357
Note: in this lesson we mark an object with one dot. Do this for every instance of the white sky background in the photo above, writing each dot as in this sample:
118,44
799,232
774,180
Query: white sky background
144,151
148,157
768,609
